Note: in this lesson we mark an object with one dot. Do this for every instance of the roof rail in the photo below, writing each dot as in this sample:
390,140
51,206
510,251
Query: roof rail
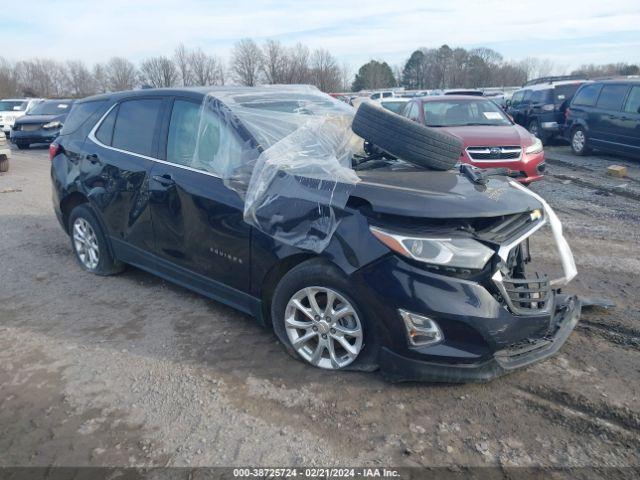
537,81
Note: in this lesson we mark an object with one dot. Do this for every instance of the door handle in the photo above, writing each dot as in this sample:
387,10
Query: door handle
165,180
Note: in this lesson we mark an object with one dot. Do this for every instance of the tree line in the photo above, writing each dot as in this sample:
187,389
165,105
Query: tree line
272,62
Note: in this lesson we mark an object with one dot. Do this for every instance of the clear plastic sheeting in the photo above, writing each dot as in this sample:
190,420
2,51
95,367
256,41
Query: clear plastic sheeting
287,151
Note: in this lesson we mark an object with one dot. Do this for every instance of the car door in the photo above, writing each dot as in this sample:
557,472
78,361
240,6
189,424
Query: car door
119,155
607,117
630,121
198,221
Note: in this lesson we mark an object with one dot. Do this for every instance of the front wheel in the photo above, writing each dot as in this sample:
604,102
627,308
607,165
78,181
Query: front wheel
579,142
317,320
536,131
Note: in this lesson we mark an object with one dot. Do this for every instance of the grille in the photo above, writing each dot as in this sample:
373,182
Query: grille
510,227
527,295
494,153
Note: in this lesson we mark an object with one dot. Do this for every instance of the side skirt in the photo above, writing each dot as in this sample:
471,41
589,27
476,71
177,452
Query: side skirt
212,289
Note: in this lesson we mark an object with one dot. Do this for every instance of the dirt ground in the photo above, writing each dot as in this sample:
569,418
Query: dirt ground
133,371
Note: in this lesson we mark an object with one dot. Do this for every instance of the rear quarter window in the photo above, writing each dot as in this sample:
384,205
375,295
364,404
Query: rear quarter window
79,114
587,95
633,101
542,96
611,97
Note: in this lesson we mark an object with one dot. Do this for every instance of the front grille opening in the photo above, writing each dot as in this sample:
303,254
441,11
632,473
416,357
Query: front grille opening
531,293
494,153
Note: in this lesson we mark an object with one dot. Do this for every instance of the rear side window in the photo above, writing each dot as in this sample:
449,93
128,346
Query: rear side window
587,95
80,113
135,125
633,102
611,97
542,96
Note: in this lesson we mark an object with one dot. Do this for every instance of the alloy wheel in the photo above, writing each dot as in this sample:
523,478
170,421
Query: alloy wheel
578,141
85,242
323,327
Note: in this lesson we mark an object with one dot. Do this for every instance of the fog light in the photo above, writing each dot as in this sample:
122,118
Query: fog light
421,330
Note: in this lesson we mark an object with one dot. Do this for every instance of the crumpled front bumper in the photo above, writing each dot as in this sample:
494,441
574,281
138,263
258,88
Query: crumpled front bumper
397,368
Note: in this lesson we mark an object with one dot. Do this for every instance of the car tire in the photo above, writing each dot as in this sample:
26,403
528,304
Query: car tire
22,145
89,243
406,139
579,143
321,278
535,130
4,164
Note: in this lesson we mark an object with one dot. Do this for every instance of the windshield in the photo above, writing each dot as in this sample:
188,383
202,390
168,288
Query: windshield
13,106
50,108
457,113
395,107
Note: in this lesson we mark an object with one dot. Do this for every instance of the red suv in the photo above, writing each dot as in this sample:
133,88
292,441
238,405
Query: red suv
491,138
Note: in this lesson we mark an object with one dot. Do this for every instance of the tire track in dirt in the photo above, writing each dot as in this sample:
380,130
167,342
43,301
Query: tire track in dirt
582,415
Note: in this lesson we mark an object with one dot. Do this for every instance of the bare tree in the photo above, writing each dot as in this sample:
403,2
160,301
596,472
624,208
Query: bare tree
41,77
9,86
275,62
246,62
121,74
205,69
79,80
100,78
298,69
159,72
536,67
346,77
182,59
325,71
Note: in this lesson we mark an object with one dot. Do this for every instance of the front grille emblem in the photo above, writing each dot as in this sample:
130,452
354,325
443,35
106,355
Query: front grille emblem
495,152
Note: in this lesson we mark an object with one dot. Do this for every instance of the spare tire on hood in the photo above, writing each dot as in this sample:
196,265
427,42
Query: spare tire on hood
406,139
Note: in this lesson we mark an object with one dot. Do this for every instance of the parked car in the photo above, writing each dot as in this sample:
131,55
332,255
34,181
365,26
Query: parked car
41,124
491,139
605,116
5,153
424,275
394,104
540,105
13,108
382,94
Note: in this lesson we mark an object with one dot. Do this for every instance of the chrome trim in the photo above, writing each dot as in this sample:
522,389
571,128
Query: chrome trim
94,139
486,150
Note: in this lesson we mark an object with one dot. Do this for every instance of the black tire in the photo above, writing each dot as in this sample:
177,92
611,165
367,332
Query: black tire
4,164
536,131
319,273
107,264
406,139
575,145
22,145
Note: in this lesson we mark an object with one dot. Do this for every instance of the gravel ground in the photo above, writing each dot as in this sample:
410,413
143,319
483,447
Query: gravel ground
134,371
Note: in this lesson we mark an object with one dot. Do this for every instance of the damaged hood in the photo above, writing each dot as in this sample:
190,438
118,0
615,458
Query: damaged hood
430,194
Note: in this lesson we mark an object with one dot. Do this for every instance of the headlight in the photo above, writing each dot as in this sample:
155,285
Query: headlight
535,148
448,252
52,125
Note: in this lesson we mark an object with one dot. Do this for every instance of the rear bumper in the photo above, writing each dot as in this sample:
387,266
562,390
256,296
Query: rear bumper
397,368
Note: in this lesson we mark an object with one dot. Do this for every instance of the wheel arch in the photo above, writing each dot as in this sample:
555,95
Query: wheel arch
68,203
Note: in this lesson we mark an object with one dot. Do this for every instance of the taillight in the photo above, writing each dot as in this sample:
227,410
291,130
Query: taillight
54,148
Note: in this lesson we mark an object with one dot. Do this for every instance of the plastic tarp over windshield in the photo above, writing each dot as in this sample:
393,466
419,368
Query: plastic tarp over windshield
291,163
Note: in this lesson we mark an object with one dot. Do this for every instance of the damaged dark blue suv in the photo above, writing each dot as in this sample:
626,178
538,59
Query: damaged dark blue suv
380,253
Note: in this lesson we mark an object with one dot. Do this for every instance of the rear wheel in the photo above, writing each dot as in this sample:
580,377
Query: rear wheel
22,145
4,163
579,142
90,244
318,321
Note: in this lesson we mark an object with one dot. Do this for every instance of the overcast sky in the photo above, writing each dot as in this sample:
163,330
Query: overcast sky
569,32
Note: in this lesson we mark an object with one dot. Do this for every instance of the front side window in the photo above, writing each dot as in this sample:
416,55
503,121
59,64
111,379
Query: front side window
414,113
135,125
202,139
633,101
611,97
517,98
587,95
